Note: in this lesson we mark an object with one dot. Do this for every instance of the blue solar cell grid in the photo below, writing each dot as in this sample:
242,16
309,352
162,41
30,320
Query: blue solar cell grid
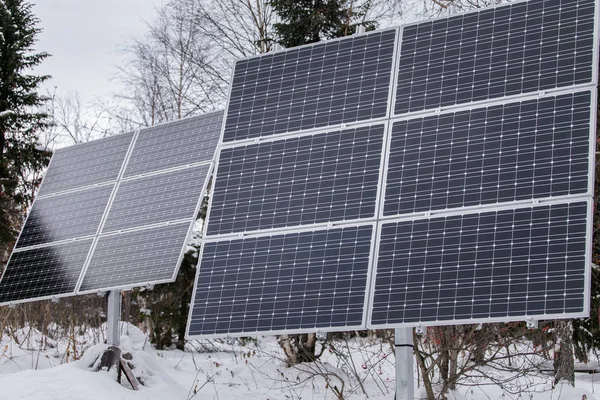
65,216
135,258
319,85
283,282
524,47
332,176
86,164
481,266
156,199
43,272
175,144
517,151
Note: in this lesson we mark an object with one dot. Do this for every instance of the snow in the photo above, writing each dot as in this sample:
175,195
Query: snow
33,366
6,113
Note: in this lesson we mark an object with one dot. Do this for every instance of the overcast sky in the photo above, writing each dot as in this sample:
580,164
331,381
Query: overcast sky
84,37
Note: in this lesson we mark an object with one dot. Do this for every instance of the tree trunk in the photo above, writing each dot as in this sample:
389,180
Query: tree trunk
423,368
564,368
299,348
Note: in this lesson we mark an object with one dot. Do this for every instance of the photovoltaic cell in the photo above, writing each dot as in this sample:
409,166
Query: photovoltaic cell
135,258
154,199
517,151
512,263
65,216
86,164
282,282
179,143
44,271
524,47
324,84
324,177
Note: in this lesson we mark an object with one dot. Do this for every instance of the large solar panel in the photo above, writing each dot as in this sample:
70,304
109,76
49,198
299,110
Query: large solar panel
297,181
174,144
86,198
44,272
517,151
97,162
155,199
524,47
133,258
329,83
490,135
488,265
65,216
281,283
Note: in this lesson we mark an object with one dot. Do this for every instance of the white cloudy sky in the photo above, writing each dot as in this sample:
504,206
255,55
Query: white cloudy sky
84,37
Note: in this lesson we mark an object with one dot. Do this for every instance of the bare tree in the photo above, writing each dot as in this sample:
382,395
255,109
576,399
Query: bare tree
505,355
74,121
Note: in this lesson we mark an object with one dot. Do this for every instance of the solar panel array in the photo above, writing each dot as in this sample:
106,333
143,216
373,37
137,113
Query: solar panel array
114,213
460,163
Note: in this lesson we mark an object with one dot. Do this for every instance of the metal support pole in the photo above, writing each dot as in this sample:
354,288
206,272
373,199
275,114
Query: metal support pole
113,318
405,386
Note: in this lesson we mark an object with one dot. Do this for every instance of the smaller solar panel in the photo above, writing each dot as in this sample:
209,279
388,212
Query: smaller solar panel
44,271
282,282
175,144
512,263
517,151
65,216
135,258
157,198
86,164
518,48
323,177
323,84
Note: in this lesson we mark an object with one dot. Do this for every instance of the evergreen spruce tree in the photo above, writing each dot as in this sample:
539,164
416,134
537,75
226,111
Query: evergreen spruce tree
21,122
309,21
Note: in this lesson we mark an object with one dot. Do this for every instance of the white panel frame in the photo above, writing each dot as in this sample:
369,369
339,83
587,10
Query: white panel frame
85,187
510,98
298,135
587,272
478,106
233,143
370,268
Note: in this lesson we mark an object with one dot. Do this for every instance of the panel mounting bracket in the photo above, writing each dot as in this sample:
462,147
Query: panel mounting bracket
479,327
322,336
535,201
55,299
100,293
420,330
532,323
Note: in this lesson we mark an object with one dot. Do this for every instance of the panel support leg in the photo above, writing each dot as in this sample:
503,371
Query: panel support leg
113,318
405,389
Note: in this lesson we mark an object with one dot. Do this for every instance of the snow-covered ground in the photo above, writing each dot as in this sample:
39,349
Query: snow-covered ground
42,369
